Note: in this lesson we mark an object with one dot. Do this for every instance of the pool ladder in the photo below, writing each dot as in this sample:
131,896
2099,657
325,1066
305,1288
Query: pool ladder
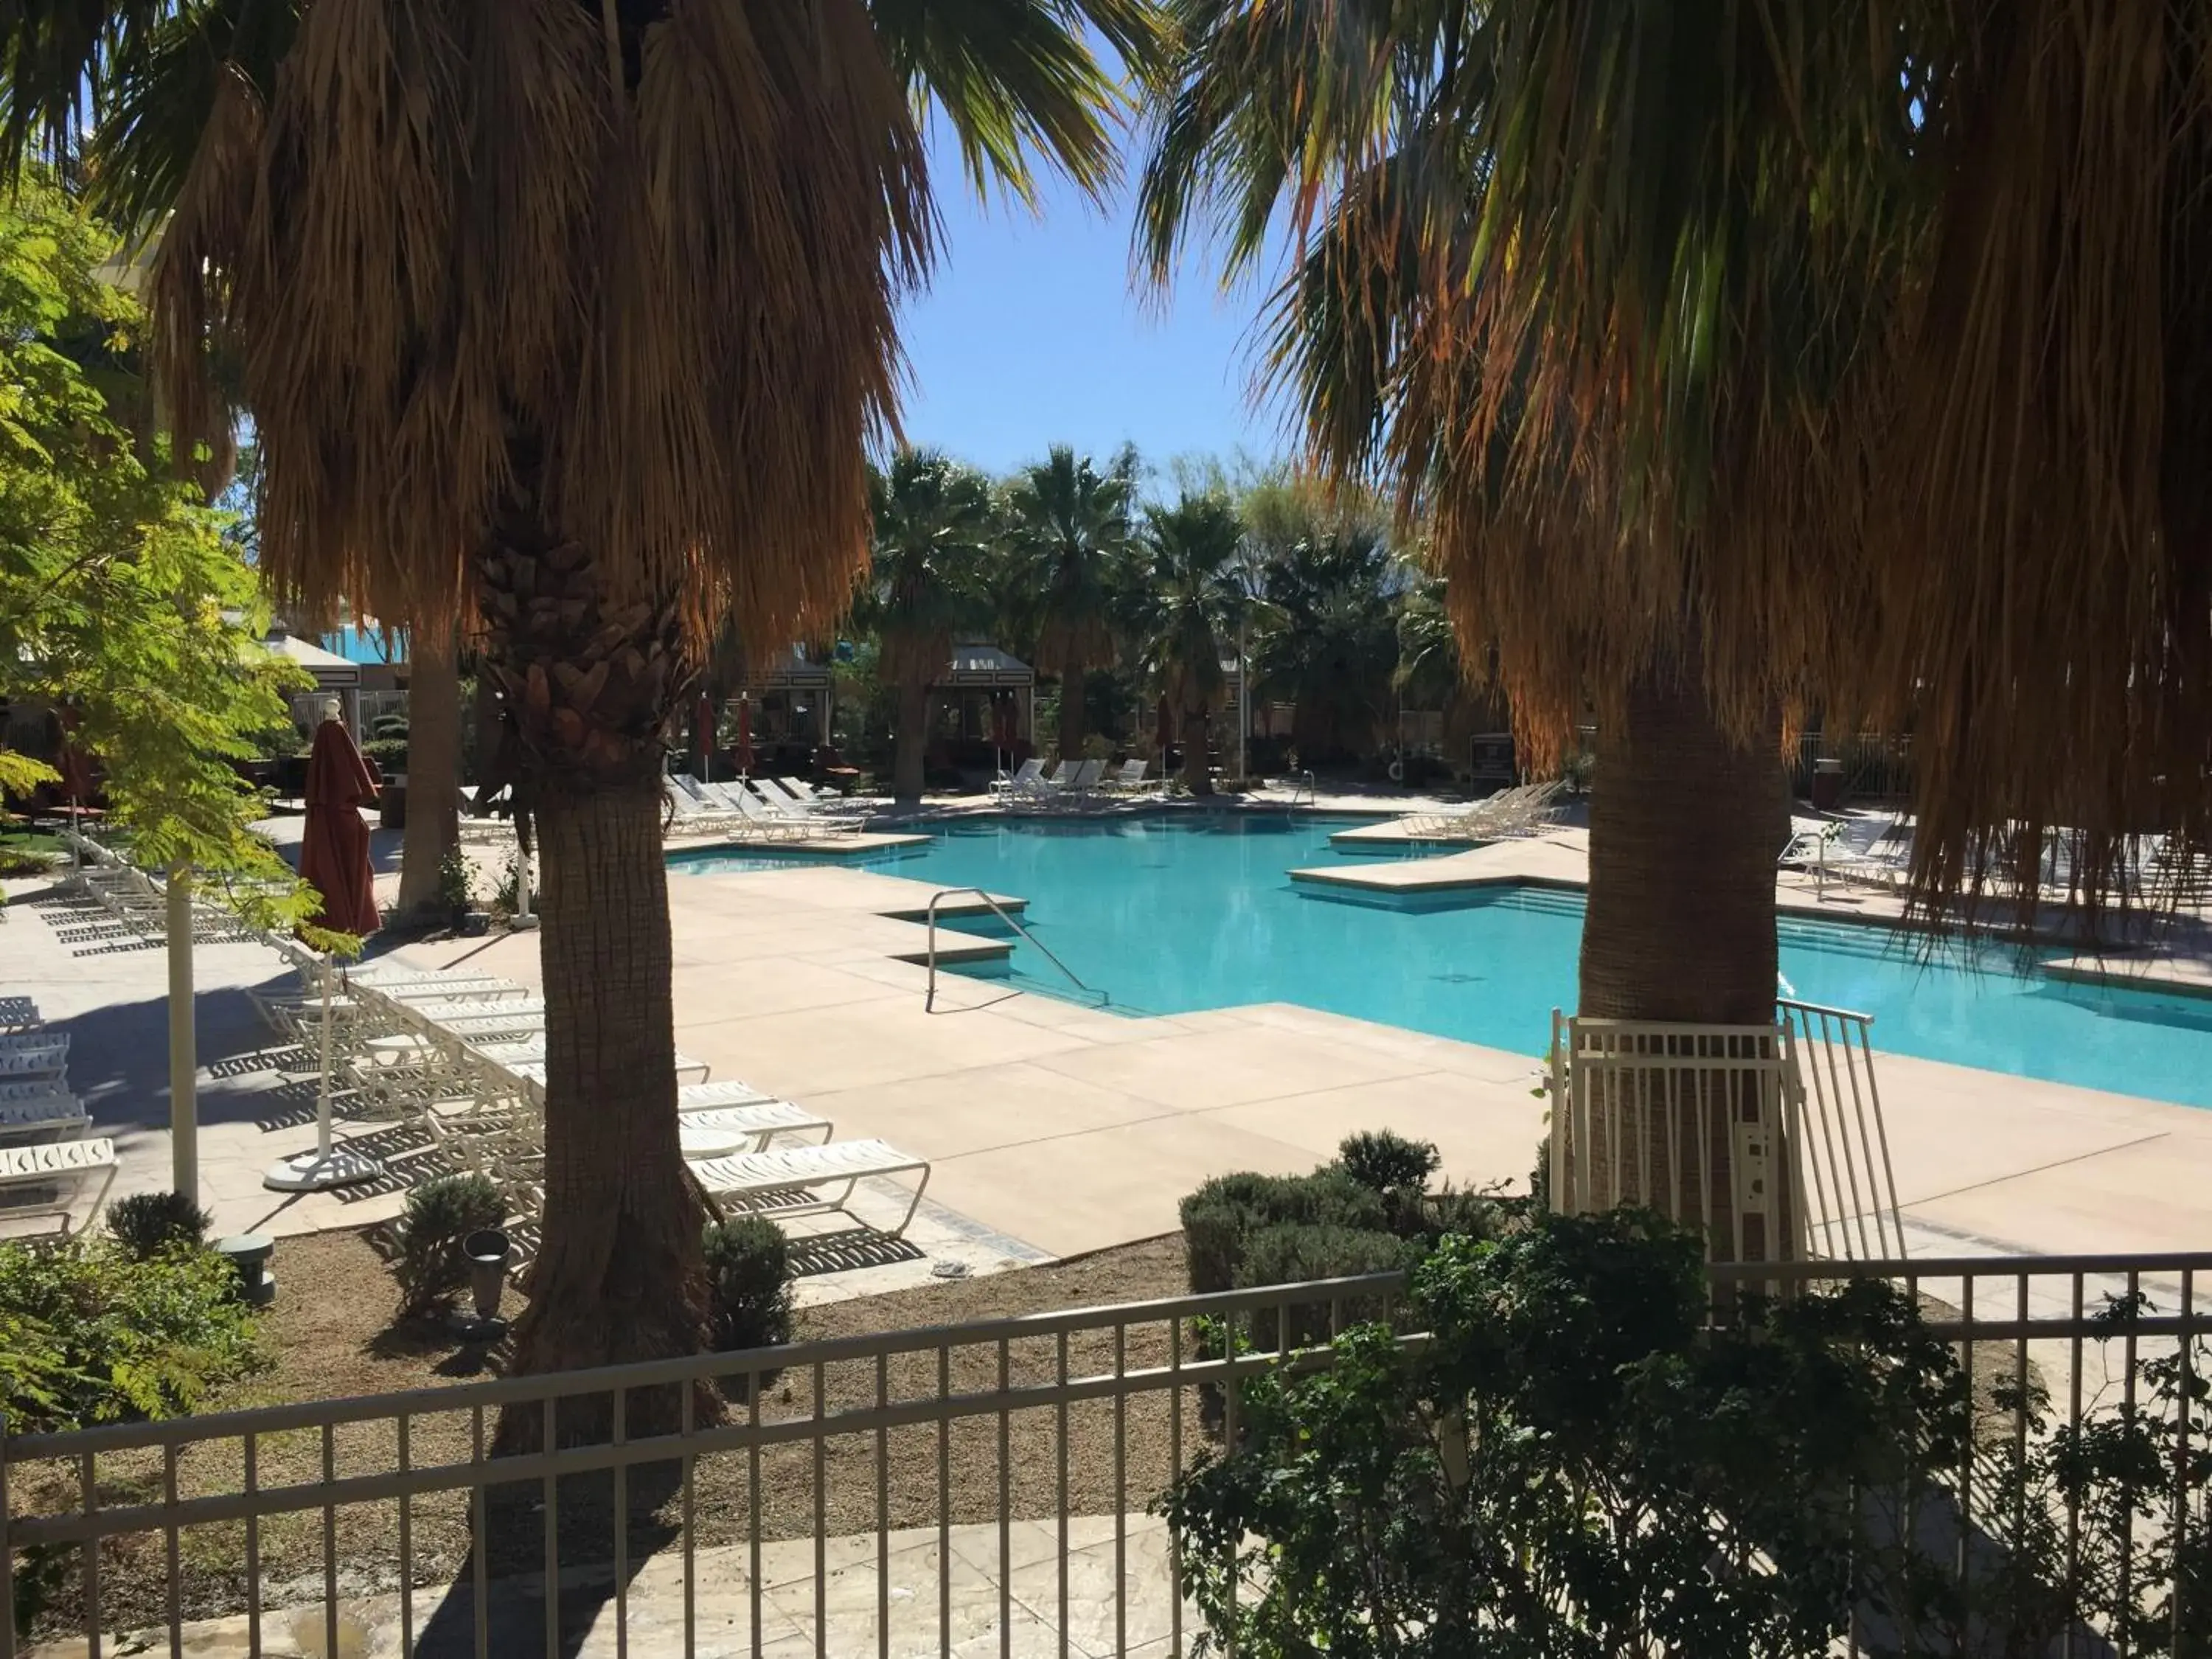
1306,786
929,997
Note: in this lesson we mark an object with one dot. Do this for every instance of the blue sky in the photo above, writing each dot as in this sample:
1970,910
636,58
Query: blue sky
1031,334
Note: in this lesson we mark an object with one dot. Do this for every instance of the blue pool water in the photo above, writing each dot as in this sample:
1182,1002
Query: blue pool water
1169,915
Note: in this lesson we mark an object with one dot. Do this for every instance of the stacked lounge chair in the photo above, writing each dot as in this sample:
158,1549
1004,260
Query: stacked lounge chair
46,1161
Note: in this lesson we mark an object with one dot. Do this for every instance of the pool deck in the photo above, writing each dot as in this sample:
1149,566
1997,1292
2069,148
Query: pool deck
1055,1128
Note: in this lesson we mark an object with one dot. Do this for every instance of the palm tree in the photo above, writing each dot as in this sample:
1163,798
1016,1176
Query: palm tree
1184,599
1328,644
934,530
1068,528
579,318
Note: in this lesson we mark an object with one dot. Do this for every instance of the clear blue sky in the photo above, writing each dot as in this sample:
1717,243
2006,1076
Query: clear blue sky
1031,334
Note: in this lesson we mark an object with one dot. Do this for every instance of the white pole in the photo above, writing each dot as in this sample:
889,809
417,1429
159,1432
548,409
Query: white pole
1243,703
322,1086
521,882
184,1064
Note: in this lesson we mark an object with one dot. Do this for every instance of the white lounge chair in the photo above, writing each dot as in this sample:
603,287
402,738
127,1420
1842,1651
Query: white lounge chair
62,1165
445,1013
19,1014
53,1114
839,1164
1079,784
1023,779
452,987
801,802
47,1058
507,1055
760,1122
1129,781
691,816
1043,788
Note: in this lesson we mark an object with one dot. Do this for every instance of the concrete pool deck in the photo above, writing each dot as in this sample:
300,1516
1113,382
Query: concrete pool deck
1057,1128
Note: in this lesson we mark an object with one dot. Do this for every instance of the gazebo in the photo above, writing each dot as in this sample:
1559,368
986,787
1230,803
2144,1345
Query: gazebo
334,676
986,705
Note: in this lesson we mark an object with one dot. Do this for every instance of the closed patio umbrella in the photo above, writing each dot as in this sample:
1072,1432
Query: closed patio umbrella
334,849
745,737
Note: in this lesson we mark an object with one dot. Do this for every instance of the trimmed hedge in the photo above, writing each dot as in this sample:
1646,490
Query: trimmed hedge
749,1284
440,1212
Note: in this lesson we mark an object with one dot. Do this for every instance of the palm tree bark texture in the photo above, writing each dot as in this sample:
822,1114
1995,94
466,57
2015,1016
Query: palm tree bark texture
1680,927
434,761
588,683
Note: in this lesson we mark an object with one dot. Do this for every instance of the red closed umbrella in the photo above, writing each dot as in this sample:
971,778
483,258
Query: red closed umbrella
334,851
745,735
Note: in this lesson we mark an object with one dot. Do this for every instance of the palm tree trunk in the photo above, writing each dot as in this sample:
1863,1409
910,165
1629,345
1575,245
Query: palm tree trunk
911,747
1072,677
588,686
1195,728
434,766
1680,927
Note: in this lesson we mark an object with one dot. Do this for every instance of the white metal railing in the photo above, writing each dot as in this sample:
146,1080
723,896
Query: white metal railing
1026,1450
1850,1185
1770,1138
929,995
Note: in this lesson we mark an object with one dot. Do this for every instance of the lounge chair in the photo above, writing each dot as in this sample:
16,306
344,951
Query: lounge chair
510,1008
1874,849
19,1014
839,1164
691,816
1040,787
1129,781
507,1055
1519,810
53,1114
1024,778
64,1166
760,1122
1080,786
770,823
24,1062
823,811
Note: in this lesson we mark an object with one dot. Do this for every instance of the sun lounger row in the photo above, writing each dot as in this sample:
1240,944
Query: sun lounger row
1074,782
1525,809
757,808
45,1161
465,1054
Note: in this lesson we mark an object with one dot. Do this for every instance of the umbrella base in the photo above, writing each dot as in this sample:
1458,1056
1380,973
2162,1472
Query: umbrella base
311,1172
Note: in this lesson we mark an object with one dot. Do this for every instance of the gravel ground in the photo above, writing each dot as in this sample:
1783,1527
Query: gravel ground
331,1334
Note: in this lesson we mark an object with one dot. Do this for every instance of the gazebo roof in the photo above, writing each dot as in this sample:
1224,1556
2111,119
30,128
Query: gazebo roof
977,664
327,666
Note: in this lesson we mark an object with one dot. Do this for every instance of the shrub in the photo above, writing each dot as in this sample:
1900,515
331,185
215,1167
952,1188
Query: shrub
390,755
1226,1211
1573,1423
1293,1252
1384,1160
148,1224
749,1281
440,1212
91,1334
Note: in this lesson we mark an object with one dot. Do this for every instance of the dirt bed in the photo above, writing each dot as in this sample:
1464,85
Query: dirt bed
331,1335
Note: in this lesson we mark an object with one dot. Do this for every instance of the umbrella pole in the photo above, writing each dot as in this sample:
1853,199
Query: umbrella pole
329,1165
184,1064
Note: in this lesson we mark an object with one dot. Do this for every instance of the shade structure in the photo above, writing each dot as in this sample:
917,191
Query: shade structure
334,853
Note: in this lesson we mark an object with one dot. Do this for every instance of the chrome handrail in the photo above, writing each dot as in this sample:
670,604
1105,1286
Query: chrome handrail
1312,792
929,998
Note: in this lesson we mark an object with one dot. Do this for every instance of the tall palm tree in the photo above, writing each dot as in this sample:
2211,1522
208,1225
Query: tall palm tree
579,317
935,528
1068,528
1184,599
1748,357
1329,643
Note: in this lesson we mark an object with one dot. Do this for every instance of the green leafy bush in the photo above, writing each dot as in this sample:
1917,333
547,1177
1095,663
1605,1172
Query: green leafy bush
1384,1160
145,1224
390,754
749,1280
1575,1462
440,1212
1220,1218
91,1334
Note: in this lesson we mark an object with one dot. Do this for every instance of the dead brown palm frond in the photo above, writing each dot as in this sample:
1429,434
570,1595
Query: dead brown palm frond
453,247
2050,440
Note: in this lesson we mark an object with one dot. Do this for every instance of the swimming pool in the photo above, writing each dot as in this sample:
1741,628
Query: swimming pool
1172,913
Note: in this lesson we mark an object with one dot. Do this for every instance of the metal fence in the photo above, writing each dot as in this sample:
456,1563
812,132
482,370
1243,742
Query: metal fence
971,1489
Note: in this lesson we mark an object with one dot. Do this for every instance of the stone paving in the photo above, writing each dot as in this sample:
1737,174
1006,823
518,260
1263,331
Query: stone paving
1002,1594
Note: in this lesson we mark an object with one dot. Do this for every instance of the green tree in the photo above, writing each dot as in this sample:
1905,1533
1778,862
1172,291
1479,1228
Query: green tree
1325,639
1069,527
120,600
929,570
1184,597
579,318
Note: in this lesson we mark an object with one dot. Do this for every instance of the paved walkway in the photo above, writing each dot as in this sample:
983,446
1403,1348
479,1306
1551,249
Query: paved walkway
998,1602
